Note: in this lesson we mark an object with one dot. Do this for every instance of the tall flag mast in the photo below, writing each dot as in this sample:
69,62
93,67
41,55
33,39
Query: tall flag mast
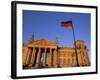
69,25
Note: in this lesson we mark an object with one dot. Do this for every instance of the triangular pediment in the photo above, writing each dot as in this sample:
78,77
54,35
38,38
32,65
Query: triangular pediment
43,42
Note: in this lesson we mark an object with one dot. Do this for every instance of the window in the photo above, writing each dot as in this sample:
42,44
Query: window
68,61
64,61
72,61
59,60
64,54
70,54
77,53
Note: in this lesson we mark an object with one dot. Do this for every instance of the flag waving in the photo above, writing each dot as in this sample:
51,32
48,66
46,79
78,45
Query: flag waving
67,24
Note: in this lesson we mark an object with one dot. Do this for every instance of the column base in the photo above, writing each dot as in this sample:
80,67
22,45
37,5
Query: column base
30,65
44,65
37,65
49,65
55,65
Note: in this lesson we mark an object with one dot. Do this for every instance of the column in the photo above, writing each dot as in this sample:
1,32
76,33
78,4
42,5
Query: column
33,56
38,58
28,57
44,57
50,58
25,53
55,58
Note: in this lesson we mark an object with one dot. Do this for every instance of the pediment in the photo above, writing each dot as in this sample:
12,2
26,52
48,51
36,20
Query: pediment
43,42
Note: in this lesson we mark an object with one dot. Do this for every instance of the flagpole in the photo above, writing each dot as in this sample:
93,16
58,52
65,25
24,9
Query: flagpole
67,24
75,45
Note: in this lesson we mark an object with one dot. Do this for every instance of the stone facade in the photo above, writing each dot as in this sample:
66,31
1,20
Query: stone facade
45,54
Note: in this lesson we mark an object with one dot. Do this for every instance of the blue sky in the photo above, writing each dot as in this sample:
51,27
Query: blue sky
45,24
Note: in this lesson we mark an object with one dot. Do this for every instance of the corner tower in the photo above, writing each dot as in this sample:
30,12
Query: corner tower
83,58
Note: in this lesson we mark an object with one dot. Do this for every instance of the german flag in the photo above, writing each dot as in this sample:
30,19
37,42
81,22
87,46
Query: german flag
67,24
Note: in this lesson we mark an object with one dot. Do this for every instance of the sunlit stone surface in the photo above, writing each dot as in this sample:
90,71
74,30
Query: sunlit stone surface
45,54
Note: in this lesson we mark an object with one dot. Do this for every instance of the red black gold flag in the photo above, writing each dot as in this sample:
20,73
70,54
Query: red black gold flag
67,24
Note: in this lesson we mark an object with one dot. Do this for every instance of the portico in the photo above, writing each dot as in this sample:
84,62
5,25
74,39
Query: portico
36,54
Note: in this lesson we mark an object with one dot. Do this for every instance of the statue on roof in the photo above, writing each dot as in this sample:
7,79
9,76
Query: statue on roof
56,41
31,39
